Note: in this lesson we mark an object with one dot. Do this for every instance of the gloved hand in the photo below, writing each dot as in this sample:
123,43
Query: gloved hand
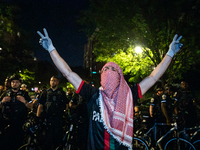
175,46
45,41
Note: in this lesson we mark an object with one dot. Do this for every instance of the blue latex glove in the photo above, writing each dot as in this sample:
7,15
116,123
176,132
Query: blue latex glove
45,41
175,46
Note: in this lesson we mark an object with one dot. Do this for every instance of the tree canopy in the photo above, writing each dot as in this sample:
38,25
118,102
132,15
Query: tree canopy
116,27
16,55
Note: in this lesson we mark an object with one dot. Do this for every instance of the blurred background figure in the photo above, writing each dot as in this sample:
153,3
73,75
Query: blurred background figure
70,93
24,87
184,102
7,84
1,89
52,103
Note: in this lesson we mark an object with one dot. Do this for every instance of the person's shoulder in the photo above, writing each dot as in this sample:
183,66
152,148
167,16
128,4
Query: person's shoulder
88,86
6,93
163,96
133,85
60,89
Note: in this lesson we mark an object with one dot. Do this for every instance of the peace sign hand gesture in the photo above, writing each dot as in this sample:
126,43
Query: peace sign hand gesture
175,46
45,41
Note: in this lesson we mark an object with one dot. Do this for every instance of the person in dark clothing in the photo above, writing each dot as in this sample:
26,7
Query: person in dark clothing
110,107
70,93
7,84
168,108
78,113
155,105
184,103
1,89
52,103
14,105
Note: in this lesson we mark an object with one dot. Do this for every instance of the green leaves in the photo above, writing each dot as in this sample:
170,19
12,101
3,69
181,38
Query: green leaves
150,24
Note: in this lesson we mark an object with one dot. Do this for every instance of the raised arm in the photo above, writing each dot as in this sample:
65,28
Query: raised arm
64,68
149,81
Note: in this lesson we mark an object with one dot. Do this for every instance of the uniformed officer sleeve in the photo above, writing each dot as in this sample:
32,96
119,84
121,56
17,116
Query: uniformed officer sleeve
176,96
152,101
27,97
42,98
163,98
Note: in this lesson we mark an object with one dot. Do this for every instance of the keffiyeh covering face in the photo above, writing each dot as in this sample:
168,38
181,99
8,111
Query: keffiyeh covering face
116,104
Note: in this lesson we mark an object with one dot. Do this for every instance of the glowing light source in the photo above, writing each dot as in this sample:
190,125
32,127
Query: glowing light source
138,49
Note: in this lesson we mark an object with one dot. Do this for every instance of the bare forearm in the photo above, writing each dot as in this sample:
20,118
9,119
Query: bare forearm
164,111
28,105
151,110
161,68
60,63
149,81
39,110
136,111
64,68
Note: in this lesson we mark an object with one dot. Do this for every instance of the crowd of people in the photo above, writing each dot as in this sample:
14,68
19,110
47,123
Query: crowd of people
52,106
110,108
168,101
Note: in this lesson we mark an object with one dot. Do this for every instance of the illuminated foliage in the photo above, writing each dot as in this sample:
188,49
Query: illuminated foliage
150,24
28,76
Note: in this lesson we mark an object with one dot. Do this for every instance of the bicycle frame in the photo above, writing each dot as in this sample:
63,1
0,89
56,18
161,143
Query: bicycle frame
197,128
155,131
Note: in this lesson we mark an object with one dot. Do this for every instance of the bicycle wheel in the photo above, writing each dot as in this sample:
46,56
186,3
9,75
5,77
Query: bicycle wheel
181,144
196,144
139,144
141,134
29,147
68,147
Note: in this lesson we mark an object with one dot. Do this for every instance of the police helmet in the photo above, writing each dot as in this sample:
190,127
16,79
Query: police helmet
16,77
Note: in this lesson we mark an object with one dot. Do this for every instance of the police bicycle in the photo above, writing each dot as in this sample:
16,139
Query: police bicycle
192,134
69,141
174,142
35,132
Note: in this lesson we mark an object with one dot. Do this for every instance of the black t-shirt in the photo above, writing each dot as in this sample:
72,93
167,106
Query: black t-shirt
54,102
156,103
98,137
165,98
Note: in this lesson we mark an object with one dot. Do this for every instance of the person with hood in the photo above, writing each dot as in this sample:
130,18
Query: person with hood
110,107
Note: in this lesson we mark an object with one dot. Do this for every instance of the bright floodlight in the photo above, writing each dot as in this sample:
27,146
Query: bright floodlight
138,49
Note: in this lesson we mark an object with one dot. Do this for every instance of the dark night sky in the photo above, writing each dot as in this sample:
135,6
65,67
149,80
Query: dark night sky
59,17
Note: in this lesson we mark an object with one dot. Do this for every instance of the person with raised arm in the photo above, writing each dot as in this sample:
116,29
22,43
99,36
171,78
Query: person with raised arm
110,107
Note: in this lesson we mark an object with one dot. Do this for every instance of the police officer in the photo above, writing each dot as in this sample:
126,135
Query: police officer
184,101
14,104
155,104
167,107
53,102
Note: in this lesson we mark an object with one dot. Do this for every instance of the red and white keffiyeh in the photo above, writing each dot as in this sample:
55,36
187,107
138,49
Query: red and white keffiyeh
116,104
